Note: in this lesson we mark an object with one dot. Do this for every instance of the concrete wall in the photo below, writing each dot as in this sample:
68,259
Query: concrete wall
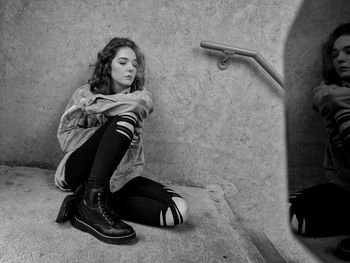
209,126
306,133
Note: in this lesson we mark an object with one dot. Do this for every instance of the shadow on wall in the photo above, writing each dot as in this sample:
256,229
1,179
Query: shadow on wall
306,135
305,130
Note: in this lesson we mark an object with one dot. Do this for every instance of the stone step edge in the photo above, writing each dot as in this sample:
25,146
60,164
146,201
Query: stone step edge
256,246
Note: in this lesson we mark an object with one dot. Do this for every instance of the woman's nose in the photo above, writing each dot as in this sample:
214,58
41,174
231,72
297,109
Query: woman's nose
130,67
341,56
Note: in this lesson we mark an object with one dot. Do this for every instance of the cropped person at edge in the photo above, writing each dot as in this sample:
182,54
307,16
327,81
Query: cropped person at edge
322,210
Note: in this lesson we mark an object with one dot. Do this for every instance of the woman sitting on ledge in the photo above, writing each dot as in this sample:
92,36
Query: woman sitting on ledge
101,132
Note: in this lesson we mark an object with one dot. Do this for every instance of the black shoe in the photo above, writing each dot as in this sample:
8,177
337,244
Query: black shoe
94,216
343,249
67,208
320,211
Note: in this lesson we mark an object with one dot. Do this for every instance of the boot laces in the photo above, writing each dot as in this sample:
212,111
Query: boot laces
105,210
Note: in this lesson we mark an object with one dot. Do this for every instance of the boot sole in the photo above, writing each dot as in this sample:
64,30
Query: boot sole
81,225
67,208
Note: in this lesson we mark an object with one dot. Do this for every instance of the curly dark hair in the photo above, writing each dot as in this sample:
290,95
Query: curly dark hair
101,79
330,76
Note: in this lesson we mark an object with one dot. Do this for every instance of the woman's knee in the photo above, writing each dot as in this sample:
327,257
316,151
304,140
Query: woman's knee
126,124
183,208
181,212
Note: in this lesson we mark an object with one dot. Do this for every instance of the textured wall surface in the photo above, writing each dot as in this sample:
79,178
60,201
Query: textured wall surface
306,133
209,126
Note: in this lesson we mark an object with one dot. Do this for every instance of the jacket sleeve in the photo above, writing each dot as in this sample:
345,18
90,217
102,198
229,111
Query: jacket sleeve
139,102
75,126
70,133
85,112
329,99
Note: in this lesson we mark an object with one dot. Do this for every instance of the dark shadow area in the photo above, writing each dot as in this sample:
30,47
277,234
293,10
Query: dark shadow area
306,134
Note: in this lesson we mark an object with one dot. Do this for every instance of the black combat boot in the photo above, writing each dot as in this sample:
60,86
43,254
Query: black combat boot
93,215
68,206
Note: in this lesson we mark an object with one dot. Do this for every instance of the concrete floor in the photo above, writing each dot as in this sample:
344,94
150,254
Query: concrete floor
29,203
324,248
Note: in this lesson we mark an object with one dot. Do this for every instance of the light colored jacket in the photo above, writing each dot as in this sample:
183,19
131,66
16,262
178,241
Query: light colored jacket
86,112
328,100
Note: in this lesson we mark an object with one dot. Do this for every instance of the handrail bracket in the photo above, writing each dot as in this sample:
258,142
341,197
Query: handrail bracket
224,62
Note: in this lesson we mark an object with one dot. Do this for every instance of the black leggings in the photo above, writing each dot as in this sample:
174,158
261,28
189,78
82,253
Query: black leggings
140,200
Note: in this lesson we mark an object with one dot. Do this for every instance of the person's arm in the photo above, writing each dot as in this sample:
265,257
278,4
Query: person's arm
85,110
322,94
328,99
139,102
75,126
332,102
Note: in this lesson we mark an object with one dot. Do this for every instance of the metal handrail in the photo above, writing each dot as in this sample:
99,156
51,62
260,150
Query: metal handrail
229,50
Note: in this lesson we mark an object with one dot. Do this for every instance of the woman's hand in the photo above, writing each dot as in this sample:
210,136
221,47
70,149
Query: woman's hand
137,134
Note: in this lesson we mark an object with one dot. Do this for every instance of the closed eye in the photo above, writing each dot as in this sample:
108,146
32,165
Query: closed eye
334,53
347,50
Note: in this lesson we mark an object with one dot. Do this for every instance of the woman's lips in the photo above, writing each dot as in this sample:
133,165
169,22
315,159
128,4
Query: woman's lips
344,68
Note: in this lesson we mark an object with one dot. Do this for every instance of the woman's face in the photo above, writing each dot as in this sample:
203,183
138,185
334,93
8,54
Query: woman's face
341,57
124,68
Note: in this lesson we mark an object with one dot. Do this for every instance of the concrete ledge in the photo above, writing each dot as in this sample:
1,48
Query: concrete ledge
29,203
